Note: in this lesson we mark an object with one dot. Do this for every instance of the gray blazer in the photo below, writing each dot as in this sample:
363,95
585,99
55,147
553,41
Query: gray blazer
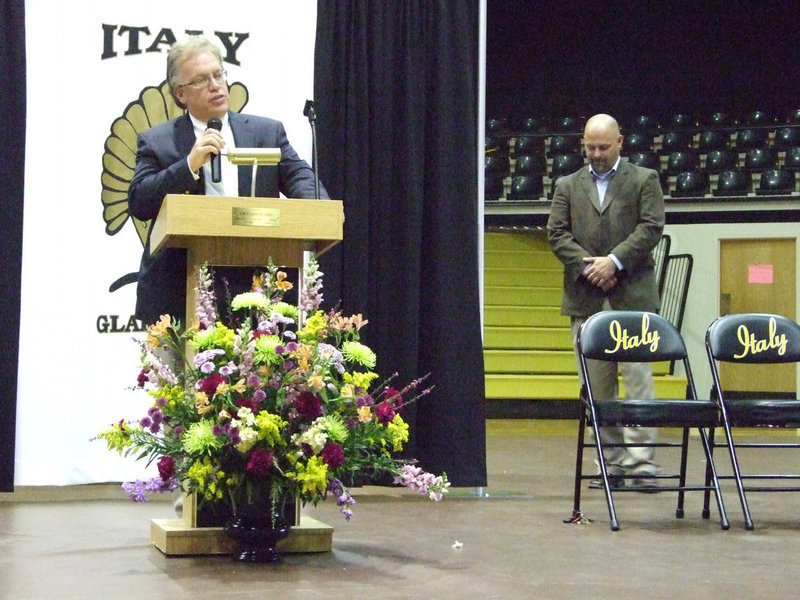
629,225
161,168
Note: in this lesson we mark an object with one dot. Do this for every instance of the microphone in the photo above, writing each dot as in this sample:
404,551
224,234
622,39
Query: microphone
308,111
216,160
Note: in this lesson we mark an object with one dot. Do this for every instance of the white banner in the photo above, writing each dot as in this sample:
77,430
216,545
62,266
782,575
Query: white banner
87,64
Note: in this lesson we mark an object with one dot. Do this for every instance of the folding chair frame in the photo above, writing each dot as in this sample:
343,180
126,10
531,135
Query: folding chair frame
673,413
724,345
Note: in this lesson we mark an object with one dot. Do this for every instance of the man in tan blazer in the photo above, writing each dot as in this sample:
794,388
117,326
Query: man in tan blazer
604,222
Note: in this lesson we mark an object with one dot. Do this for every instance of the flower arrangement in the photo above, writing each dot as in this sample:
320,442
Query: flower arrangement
280,400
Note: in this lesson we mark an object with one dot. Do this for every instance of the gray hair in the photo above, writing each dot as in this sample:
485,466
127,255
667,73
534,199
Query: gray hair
181,51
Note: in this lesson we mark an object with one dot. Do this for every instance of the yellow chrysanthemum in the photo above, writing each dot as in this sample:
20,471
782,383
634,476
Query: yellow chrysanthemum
312,477
398,432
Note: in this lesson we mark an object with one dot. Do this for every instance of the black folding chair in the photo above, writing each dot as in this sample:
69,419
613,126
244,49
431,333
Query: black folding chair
634,336
754,338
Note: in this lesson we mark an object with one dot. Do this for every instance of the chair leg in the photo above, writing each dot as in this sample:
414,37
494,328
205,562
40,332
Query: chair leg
576,502
723,515
737,474
707,492
679,511
598,444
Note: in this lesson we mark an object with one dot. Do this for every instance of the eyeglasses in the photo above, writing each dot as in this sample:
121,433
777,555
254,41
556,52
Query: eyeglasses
200,82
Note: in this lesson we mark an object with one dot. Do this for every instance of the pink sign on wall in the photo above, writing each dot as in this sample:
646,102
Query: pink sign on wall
760,274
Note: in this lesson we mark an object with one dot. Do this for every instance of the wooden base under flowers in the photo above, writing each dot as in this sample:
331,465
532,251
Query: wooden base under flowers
182,537
174,538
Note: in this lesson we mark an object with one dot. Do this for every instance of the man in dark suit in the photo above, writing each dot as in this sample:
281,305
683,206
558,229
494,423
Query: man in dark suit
174,158
604,222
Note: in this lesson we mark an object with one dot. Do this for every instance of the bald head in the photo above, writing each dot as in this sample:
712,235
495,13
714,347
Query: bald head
602,142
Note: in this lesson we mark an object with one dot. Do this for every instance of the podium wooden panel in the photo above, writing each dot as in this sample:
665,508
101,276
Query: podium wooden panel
234,231
245,232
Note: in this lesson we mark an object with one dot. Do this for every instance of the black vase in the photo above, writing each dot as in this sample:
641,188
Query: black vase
257,529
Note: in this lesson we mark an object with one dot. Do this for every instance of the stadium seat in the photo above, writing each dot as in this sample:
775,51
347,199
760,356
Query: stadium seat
734,182
776,182
751,138
496,164
493,187
721,160
680,121
564,144
691,184
530,125
526,187
529,165
758,117
564,164
529,145
787,137
680,162
644,124
645,159
719,119
712,139
759,159
638,142
792,160
675,141
496,127
496,146
568,125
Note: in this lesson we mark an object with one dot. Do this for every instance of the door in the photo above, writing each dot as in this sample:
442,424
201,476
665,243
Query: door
758,275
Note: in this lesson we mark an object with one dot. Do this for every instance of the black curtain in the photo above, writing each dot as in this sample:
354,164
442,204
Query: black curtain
12,172
396,90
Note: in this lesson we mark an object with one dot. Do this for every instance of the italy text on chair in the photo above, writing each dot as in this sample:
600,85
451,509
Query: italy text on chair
755,339
634,336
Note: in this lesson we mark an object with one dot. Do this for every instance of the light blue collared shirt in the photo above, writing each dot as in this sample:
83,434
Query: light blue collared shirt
601,181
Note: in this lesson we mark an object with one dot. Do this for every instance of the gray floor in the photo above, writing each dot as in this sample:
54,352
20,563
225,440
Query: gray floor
88,542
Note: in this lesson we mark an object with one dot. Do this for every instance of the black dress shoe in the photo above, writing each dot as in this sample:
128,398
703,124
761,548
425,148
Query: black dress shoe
614,481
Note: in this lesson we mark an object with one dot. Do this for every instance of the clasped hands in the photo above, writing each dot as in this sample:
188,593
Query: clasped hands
600,271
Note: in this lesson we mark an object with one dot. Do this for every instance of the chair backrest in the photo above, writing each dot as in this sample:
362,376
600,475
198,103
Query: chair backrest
758,159
721,160
734,182
638,142
629,336
712,139
792,160
532,145
777,181
682,161
645,159
660,254
675,141
787,137
691,183
677,276
529,165
564,164
753,338
526,187
497,164
751,138
564,144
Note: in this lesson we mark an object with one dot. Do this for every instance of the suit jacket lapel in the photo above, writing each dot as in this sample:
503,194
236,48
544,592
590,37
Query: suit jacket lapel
616,183
243,138
590,188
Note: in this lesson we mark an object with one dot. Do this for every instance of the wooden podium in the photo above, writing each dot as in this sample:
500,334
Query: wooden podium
233,231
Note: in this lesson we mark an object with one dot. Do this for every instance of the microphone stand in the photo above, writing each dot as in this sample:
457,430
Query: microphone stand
309,112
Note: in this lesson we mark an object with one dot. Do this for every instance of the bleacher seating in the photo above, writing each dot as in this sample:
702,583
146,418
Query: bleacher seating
719,155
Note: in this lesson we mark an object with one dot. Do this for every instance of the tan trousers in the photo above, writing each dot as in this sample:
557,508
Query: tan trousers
638,378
